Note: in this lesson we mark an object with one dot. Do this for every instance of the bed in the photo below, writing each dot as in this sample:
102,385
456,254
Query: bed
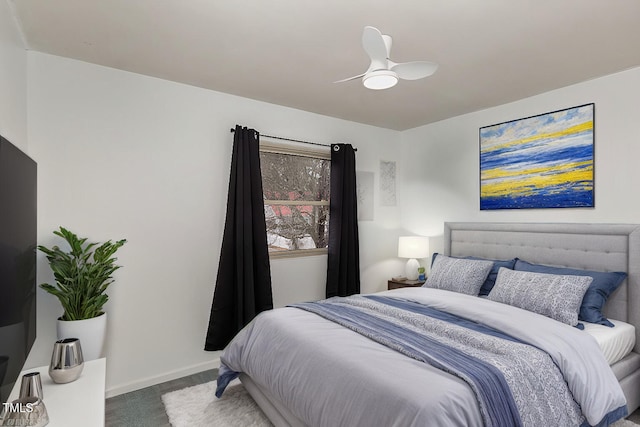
374,385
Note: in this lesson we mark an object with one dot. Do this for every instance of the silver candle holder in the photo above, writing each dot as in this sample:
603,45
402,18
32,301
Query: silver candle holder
31,385
66,361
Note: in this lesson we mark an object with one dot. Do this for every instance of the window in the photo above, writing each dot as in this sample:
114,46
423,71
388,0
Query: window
295,186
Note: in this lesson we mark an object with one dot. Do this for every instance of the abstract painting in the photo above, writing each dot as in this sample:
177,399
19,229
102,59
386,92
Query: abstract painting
544,161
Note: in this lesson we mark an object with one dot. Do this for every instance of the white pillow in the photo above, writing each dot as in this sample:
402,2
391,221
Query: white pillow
552,295
461,275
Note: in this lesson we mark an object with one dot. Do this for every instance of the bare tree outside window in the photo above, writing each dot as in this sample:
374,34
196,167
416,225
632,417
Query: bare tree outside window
296,201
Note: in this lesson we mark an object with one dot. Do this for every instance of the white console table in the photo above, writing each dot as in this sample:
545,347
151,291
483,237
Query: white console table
78,403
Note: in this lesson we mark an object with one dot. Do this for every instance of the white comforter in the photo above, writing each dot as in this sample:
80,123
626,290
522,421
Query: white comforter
330,376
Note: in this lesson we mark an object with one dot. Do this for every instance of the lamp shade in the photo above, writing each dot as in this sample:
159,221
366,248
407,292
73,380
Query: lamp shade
413,247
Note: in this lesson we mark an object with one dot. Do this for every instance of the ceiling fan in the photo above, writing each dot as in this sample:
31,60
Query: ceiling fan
383,73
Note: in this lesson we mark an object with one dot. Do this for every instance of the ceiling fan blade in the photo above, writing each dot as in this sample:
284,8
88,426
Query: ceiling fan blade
413,70
350,78
375,46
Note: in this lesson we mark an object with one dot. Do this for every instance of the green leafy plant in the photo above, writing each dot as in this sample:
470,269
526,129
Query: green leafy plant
82,275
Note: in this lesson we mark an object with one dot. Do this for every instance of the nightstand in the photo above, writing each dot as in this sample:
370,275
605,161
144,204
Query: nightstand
396,284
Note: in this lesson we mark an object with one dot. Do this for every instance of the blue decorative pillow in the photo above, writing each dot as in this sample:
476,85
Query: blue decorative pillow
602,286
552,295
461,275
493,274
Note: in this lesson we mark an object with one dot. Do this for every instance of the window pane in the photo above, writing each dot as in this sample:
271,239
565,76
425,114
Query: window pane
296,227
294,178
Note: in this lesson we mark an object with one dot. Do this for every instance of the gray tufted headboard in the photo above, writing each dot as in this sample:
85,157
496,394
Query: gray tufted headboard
601,247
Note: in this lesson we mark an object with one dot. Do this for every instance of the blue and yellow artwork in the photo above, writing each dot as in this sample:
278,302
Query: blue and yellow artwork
544,161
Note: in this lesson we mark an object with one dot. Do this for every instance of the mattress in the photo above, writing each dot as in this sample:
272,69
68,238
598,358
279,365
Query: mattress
616,342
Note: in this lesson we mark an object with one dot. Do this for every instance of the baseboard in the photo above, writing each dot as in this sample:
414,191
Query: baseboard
167,376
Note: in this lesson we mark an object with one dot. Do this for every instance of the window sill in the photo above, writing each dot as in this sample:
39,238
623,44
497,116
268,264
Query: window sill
297,253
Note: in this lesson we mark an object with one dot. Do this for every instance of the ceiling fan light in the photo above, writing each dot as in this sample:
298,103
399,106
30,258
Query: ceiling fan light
381,79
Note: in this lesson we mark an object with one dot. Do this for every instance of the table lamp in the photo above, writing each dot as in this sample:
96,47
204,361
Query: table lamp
413,247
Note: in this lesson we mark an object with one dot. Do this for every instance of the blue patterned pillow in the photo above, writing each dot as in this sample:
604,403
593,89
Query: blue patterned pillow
491,278
552,295
461,275
602,286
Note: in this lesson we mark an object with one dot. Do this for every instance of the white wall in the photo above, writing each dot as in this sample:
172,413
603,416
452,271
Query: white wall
122,155
440,162
13,80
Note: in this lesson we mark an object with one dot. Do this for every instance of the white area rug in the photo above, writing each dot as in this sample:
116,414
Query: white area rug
198,406
624,423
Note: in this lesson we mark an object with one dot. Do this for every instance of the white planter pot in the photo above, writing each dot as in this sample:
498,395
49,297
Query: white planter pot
90,332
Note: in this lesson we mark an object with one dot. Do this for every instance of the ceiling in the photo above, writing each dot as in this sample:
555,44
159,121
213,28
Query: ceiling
289,52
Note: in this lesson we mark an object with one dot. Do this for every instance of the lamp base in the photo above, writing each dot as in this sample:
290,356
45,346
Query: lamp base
411,269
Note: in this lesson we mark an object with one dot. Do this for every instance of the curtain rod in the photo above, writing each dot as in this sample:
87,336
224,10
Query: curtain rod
294,140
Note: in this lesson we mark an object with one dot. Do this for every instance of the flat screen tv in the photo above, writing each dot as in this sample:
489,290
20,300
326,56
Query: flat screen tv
18,227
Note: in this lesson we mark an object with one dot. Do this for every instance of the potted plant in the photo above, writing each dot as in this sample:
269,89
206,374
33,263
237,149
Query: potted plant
82,276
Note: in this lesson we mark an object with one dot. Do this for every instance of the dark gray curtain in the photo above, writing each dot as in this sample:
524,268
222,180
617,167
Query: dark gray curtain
243,285
343,270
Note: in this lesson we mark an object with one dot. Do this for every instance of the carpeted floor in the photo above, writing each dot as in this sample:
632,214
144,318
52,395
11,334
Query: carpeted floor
144,408
196,406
